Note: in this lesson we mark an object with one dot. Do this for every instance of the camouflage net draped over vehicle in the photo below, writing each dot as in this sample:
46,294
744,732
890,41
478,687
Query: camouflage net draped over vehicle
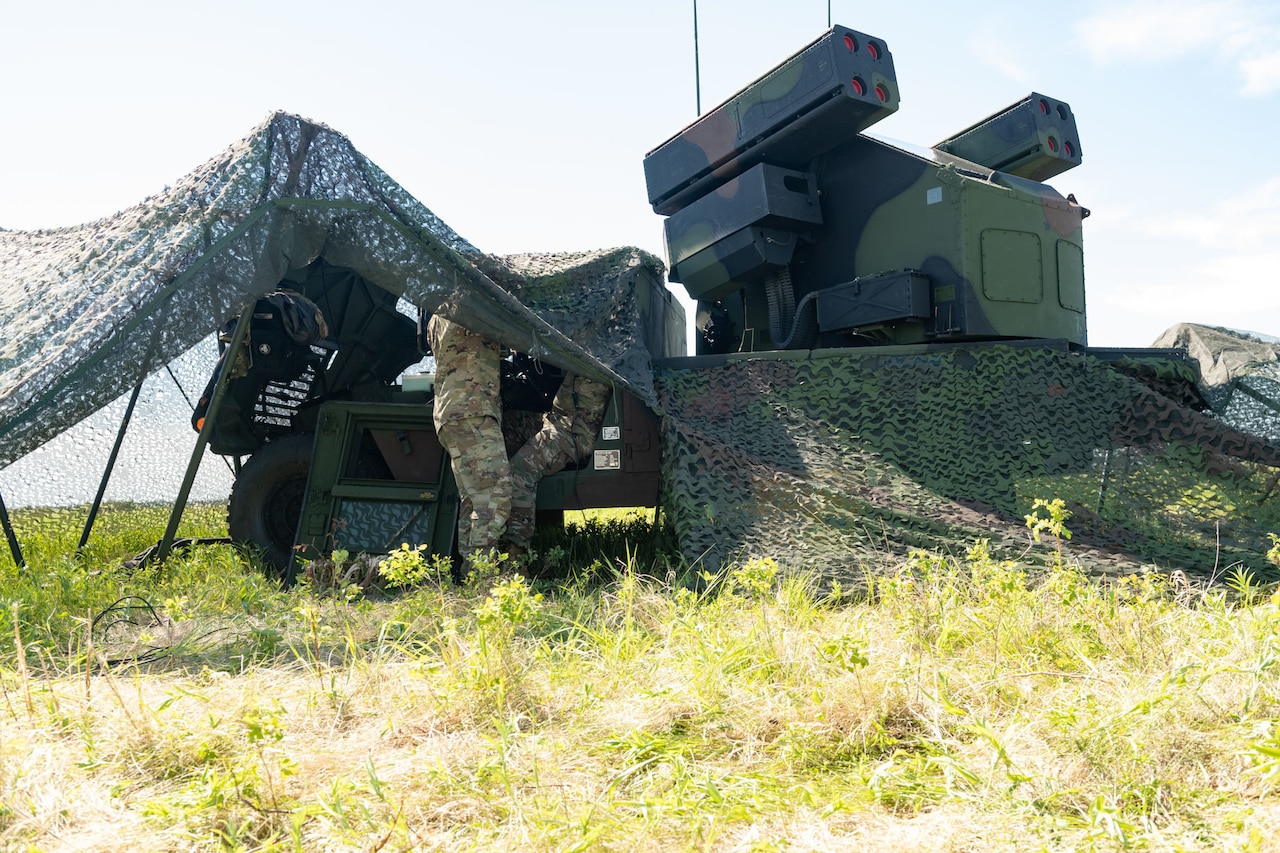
89,311
836,460
1240,374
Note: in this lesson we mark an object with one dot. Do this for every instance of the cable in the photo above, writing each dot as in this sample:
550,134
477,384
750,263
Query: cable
784,312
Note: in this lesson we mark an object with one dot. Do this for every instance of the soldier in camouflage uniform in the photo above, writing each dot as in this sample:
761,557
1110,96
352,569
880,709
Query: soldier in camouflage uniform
568,434
468,419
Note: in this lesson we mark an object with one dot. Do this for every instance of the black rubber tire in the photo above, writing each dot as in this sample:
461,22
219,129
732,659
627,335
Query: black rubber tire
267,497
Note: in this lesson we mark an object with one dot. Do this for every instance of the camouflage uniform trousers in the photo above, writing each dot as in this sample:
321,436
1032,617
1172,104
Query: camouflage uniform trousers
468,419
483,475
568,434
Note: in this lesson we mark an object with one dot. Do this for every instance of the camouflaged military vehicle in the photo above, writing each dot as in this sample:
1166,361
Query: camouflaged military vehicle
892,347
891,353
795,230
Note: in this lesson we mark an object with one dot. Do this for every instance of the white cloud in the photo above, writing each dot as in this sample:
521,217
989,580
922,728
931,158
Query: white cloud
1241,286
1216,264
1147,30
1236,291
1241,33
1261,74
991,48
1246,222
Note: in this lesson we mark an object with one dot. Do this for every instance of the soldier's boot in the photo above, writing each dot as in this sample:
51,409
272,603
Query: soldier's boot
464,528
519,536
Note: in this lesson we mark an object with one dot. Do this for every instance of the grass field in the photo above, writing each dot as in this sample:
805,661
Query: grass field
961,704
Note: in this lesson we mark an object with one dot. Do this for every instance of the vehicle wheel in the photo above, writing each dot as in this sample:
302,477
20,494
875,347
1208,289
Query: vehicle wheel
267,498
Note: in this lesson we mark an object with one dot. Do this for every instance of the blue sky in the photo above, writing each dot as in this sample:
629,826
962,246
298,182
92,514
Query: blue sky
524,124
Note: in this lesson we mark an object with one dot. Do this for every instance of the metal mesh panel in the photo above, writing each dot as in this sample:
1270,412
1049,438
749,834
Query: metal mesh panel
66,470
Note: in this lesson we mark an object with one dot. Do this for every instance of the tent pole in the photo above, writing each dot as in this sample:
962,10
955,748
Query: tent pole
202,441
14,548
111,464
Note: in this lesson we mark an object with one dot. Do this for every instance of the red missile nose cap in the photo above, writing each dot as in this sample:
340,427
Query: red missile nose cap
859,88
1044,106
873,50
850,43
882,93
1053,145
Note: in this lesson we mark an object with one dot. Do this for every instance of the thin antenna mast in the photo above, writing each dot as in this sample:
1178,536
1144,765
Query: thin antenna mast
697,72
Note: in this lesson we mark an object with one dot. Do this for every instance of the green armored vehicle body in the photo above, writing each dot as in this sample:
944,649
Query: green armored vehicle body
809,233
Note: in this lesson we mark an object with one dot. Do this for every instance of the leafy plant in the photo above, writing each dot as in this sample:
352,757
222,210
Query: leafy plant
756,577
1052,521
407,566
844,651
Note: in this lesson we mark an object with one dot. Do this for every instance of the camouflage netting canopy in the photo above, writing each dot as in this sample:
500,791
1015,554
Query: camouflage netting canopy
1240,374
834,461
89,311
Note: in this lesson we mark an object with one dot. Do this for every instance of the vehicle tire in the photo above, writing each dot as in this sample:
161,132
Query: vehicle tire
267,498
